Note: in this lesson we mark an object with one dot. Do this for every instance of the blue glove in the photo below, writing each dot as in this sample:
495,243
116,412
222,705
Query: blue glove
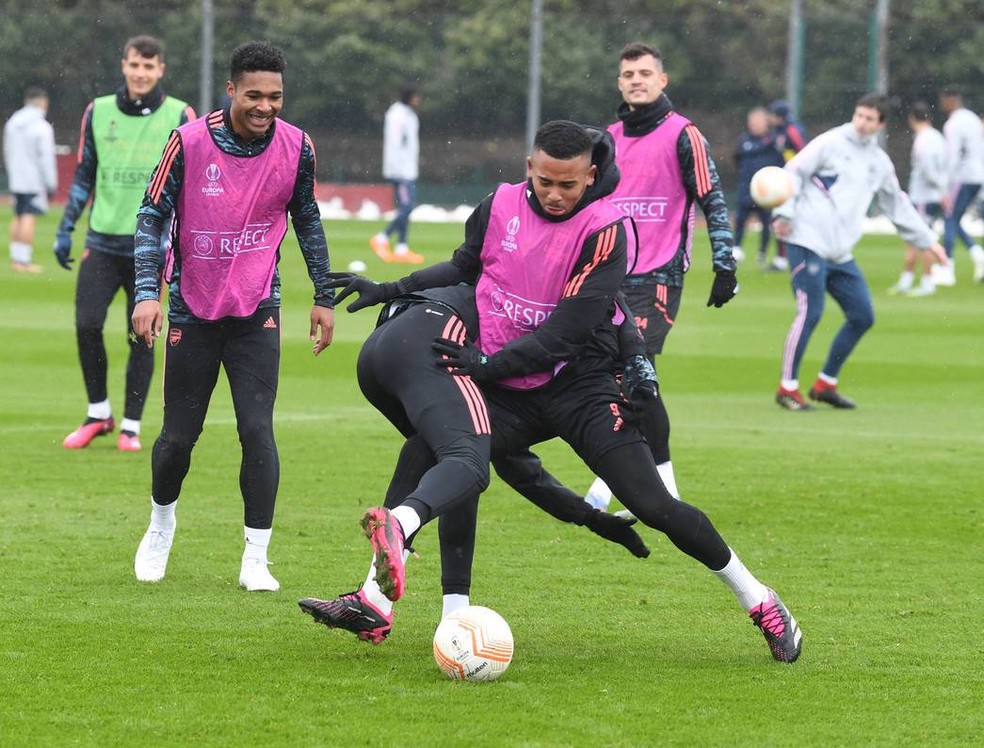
63,248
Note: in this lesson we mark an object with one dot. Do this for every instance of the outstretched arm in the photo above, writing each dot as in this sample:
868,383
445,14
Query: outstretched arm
524,472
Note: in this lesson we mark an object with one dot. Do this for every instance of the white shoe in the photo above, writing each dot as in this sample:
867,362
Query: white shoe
943,275
780,264
254,576
920,291
977,257
152,554
599,495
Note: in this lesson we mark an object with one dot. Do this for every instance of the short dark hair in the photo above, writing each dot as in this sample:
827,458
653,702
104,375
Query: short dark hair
33,93
407,92
250,57
635,50
875,101
146,46
562,139
952,91
921,112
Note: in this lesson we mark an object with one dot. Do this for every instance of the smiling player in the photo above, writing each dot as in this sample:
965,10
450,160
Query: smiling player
122,138
230,179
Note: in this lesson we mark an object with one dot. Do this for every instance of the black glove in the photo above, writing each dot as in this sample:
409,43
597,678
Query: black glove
370,292
617,530
639,378
724,289
463,359
63,248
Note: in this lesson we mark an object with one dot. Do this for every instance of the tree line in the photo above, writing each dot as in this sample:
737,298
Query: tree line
346,59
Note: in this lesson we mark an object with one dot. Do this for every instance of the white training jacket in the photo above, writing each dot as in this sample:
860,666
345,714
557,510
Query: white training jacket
964,134
401,143
928,174
836,176
29,154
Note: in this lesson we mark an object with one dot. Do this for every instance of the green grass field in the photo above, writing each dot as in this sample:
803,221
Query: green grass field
869,523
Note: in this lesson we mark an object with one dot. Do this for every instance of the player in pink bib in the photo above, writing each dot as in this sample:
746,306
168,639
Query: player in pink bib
229,180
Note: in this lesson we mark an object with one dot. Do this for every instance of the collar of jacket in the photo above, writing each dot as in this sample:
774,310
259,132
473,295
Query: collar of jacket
139,107
644,119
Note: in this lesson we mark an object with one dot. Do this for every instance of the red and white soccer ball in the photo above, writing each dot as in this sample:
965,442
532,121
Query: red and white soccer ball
473,643
771,186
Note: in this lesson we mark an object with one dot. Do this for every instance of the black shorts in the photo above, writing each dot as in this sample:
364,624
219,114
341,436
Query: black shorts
655,308
582,406
28,204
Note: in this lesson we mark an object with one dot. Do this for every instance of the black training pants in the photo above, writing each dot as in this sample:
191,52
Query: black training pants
249,351
399,375
101,276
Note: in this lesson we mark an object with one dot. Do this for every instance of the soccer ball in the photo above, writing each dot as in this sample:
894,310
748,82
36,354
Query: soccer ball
771,186
357,266
473,643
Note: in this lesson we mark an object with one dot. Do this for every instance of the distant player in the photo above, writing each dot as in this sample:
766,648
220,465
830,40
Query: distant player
756,149
32,174
122,137
964,135
790,137
401,166
836,178
928,180
666,172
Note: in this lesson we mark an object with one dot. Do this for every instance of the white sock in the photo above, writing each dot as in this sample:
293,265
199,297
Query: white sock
162,515
790,385
453,603
905,280
409,520
21,252
381,236
827,379
599,495
257,542
374,594
402,249
749,591
102,410
665,471
128,424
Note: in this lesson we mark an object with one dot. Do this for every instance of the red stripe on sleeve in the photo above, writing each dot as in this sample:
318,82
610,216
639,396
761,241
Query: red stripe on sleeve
171,151
86,115
604,245
702,171
314,153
